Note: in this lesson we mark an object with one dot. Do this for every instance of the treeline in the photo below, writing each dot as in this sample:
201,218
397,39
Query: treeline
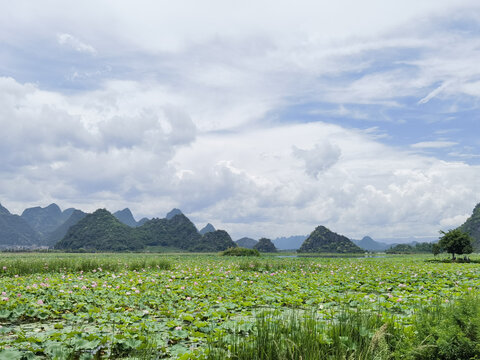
418,248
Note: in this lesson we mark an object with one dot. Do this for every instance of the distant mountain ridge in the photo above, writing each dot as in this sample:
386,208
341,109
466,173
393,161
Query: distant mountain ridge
367,243
4,211
60,232
47,226
246,242
45,220
125,216
15,231
206,229
289,243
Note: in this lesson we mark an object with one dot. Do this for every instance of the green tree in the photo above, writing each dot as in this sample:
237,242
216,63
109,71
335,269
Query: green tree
455,242
436,249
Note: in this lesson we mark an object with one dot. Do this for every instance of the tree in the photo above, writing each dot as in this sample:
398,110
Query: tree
456,242
436,249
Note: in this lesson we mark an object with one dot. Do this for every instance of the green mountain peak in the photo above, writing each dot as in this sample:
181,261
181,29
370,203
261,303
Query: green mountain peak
326,241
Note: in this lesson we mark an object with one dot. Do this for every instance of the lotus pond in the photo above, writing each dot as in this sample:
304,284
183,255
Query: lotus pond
169,306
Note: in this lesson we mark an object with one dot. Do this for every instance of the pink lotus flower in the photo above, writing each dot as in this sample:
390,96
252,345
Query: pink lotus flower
40,302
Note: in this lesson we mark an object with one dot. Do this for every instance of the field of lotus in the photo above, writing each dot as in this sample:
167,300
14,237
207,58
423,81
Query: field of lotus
169,306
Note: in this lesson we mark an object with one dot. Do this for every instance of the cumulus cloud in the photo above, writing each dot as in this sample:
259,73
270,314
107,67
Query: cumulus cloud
213,114
372,189
318,160
50,147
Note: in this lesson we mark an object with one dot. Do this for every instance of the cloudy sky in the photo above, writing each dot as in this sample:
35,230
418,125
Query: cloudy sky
266,118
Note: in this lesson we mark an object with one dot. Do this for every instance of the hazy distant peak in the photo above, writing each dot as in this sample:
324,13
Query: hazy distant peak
367,243
4,211
125,216
208,228
68,212
142,221
172,213
124,211
247,242
53,208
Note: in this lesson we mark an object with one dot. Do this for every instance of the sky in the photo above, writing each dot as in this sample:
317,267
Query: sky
264,118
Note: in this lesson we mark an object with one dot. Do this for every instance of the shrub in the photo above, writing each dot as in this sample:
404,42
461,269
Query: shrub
239,251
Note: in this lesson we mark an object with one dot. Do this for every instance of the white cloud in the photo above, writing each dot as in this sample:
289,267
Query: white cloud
318,160
74,43
192,112
372,189
433,144
98,149
103,154
433,93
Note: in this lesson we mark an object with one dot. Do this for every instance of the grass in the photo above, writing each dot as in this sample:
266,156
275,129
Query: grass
303,336
29,263
448,331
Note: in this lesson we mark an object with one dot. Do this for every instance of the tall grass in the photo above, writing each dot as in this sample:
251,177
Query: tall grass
438,331
445,331
302,336
42,264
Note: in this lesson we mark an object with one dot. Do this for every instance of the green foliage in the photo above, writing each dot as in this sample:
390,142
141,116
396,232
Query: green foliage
178,231
322,240
214,241
303,336
436,249
157,307
449,332
409,249
99,231
456,242
265,245
102,231
239,251
472,227
25,264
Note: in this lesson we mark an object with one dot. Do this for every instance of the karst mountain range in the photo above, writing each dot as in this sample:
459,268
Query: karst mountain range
74,230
